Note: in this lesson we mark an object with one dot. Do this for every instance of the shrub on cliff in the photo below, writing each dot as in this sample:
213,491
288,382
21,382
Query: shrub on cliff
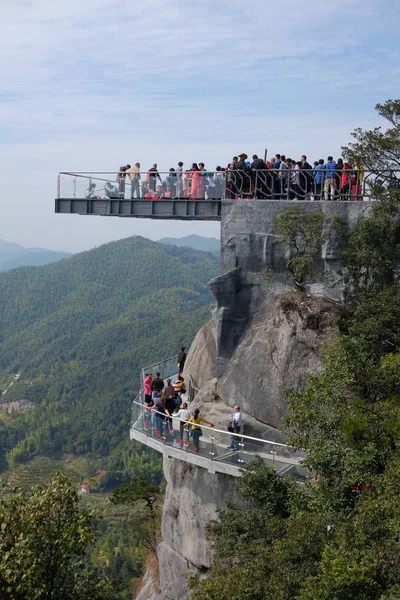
304,232
43,544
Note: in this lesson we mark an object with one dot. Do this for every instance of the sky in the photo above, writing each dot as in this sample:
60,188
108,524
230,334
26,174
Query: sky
89,85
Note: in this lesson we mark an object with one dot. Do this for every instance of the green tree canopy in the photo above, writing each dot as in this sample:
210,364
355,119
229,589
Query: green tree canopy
43,544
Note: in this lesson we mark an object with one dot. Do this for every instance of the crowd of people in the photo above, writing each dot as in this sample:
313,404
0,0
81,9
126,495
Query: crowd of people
164,402
279,177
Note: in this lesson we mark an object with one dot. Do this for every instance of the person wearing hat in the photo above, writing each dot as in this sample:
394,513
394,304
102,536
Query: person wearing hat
244,174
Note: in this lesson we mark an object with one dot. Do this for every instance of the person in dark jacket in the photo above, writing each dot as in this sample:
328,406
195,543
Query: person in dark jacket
243,175
259,176
181,359
157,385
307,179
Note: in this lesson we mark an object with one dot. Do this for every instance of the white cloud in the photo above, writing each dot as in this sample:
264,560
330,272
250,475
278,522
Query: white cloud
92,84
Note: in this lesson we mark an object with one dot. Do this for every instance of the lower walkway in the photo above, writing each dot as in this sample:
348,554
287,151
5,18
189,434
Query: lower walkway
215,454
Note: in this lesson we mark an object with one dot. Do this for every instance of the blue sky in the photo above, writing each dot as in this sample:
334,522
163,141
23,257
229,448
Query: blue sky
92,84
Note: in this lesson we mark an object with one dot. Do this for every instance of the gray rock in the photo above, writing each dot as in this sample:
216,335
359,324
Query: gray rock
252,262
191,498
150,589
202,357
173,572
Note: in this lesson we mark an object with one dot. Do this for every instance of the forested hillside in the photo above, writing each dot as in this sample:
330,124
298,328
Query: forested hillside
80,330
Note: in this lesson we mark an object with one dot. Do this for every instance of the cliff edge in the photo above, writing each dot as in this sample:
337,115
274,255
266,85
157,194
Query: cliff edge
262,339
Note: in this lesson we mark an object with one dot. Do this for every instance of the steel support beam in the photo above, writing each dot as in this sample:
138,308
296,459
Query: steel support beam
181,209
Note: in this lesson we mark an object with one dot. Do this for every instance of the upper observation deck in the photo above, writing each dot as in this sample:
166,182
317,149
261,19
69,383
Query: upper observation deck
196,195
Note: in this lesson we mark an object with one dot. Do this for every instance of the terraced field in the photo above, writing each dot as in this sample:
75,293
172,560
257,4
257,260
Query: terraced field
41,470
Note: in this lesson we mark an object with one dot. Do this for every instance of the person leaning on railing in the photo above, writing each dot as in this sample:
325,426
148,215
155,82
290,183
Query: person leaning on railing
196,431
161,414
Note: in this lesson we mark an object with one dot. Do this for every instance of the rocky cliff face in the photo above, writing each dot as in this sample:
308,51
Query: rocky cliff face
263,338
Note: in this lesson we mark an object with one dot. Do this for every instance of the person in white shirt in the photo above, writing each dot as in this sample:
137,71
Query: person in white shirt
91,191
235,427
184,415
283,176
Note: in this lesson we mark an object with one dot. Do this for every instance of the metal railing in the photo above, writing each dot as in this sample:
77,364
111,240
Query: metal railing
270,184
191,390
216,445
167,368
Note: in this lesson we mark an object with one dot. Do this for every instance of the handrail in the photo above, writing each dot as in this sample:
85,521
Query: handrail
160,362
347,184
214,429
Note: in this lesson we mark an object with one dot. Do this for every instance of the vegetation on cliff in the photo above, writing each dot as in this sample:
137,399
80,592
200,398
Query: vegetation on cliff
336,538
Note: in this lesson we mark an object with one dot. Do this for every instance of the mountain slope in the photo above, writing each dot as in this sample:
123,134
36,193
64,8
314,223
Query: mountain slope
197,242
79,330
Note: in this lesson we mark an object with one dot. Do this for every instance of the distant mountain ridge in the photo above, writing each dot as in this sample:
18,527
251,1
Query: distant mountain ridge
198,242
13,255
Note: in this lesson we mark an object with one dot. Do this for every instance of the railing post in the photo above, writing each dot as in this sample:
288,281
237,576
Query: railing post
74,187
241,446
212,449
59,186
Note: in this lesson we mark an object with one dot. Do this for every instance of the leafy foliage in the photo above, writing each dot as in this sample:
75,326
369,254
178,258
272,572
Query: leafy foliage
376,149
305,233
43,545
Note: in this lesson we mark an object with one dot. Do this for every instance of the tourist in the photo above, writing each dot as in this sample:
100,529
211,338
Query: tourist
318,179
187,183
183,414
157,384
283,176
338,177
243,181
90,192
234,179
259,177
198,184
181,359
121,179
159,193
134,176
196,431
234,427
179,385
276,163
152,176
147,387
308,179
111,190
169,397
171,181
161,413
345,182
329,184
179,180
219,183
